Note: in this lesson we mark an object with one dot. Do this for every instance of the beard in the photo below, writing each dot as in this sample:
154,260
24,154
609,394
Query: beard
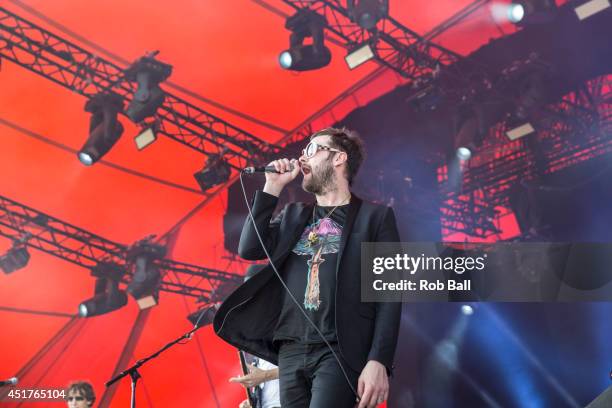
321,178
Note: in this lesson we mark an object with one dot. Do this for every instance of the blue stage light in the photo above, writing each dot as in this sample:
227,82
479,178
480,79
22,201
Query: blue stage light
467,310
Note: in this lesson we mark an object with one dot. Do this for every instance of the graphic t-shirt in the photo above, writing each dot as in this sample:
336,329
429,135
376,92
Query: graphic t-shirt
310,274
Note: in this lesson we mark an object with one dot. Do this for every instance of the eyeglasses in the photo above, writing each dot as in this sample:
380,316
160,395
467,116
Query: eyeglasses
312,148
79,398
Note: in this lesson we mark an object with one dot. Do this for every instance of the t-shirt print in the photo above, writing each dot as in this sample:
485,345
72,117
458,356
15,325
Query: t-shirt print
329,234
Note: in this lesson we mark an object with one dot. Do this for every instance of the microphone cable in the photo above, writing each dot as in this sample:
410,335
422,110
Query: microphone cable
297,304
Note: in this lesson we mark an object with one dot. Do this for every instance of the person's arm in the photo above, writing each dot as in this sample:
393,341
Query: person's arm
263,206
256,376
373,383
388,314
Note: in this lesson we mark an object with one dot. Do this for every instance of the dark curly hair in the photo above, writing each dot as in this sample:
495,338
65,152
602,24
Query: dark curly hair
84,388
349,142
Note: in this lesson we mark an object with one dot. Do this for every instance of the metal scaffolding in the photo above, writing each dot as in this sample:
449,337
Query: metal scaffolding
575,129
83,72
80,247
393,44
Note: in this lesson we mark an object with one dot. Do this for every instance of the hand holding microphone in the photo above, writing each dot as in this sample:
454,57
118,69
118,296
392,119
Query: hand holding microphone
270,168
285,171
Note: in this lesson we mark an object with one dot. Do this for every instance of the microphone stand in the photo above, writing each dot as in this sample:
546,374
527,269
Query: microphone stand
133,370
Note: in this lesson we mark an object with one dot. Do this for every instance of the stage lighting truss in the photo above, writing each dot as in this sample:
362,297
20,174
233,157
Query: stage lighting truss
83,248
365,52
516,95
88,74
575,129
505,155
391,43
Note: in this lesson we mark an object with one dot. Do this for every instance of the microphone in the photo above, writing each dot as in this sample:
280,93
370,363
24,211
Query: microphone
268,169
10,381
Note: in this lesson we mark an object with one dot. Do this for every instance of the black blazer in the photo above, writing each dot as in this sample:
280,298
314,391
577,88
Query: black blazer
365,331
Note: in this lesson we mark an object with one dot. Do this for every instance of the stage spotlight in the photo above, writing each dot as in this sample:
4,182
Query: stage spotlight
216,171
516,132
467,310
300,57
367,13
15,258
144,286
531,11
145,138
107,296
464,153
359,55
148,73
591,8
472,129
516,12
285,59
104,128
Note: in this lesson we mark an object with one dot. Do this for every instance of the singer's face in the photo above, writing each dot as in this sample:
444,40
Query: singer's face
318,170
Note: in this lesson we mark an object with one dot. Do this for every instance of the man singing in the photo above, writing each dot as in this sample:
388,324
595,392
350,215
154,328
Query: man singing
317,250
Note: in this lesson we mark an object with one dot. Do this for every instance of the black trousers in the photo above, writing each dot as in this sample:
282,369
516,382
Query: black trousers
310,377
